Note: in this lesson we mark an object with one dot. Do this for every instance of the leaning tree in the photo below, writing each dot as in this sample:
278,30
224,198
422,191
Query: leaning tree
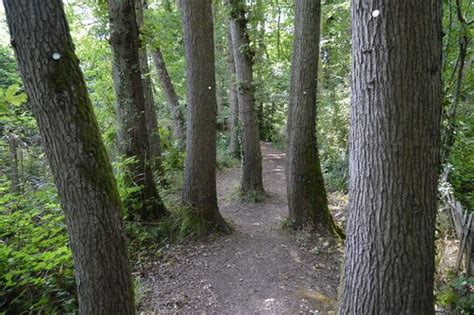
78,159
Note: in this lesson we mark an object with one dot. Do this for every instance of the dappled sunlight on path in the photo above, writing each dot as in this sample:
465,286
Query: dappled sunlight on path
260,268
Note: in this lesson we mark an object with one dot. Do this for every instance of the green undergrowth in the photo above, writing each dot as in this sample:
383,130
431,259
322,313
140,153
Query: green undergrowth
457,295
252,196
36,269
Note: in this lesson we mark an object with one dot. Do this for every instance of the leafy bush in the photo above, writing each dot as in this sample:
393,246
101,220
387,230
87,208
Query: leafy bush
35,260
173,154
462,162
336,172
458,295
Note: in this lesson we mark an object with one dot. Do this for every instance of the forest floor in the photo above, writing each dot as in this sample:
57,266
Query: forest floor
260,268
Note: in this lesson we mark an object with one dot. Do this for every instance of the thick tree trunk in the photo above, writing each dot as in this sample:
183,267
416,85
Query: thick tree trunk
307,200
199,189
233,101
179,130
77,156
252,156
154,144
395,123
146,203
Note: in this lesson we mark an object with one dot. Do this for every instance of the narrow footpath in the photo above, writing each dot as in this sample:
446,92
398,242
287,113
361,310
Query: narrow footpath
259,269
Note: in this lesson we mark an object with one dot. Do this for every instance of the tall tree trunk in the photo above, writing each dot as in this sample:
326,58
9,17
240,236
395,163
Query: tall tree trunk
146,203
252,156
199,189
77,156
13,143
395,124
259,18
233,101
154,143
307,199
167,87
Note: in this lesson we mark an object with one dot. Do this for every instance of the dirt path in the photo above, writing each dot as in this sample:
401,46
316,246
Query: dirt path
259,269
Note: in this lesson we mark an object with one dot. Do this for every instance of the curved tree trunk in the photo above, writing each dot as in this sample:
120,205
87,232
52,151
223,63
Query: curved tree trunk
307,200
233,101
252,156
154,144
77,156
395,116
199,189
146,203
167,87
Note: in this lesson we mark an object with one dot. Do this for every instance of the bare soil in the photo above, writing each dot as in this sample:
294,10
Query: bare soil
260,268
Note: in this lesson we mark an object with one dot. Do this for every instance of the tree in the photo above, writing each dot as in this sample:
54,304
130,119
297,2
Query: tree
154,145
199,189
145,203
234,146
307,199
78,159
243,54
395,116
171,97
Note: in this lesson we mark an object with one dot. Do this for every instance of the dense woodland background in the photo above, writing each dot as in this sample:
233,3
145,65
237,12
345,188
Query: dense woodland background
36,268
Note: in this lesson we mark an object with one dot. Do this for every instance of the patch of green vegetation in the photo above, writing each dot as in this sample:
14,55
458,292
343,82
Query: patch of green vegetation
36,268
458,295
252,196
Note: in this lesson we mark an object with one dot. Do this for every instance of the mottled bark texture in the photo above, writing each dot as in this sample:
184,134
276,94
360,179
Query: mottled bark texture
395,124
179,130
199,189
154,144
234,127
146,203
307,199
78,159
251,181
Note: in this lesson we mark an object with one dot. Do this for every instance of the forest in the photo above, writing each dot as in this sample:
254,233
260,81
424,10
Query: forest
236,157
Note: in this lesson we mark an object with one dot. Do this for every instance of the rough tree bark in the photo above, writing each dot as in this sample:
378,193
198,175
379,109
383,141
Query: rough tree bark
307,199
233,101
251,181
154,143
167,87
77,156
146,203
199,189
395,126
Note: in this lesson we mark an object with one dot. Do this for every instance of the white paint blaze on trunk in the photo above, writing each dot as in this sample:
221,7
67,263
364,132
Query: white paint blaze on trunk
394,143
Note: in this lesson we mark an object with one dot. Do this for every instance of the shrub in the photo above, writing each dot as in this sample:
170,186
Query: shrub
458,295
36,269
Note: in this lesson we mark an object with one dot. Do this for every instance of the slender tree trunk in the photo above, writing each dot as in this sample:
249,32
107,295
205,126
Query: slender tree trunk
252,157
449,134
307,199
199,189
233,101
13,143
77,156
154,143
179,130
146,203
395,124
259,17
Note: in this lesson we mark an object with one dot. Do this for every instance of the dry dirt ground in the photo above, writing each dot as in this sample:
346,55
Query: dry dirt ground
259,269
